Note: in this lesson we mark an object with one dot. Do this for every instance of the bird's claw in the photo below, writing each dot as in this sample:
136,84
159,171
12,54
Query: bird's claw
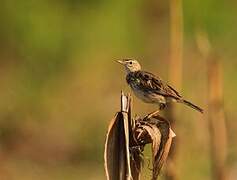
150,115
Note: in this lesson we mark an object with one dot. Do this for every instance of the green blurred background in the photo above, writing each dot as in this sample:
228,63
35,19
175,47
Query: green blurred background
60,86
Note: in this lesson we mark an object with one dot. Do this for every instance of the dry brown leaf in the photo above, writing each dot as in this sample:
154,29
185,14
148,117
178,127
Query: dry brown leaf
115,149
116,155
166,139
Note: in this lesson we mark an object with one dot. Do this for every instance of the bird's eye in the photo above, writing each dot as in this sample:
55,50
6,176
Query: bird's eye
130,62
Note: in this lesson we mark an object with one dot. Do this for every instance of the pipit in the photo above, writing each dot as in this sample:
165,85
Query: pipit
150,88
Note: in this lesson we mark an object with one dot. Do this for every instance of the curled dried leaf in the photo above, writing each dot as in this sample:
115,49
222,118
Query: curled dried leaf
114,156
157,131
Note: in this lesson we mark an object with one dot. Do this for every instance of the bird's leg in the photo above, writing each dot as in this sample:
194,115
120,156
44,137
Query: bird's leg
162,106
154,113
150,115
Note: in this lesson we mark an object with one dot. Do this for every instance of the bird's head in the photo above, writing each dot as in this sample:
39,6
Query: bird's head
131,65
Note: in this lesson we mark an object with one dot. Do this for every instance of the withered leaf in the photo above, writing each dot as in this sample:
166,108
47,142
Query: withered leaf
165,143
157,131
116,155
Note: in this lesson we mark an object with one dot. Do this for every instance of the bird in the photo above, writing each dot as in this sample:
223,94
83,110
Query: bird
151,88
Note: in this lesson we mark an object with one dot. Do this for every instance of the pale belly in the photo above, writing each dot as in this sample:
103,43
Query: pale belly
149,97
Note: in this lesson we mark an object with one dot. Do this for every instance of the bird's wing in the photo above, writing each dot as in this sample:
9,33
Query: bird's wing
151,83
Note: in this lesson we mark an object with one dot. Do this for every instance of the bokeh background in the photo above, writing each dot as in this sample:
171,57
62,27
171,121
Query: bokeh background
60,86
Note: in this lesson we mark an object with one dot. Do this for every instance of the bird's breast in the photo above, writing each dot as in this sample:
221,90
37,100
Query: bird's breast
131,79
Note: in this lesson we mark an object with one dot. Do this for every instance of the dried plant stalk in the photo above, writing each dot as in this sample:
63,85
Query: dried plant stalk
126,139
216,114
176,43
216,118
175,73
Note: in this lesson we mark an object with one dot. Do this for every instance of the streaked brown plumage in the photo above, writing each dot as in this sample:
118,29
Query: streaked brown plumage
151,88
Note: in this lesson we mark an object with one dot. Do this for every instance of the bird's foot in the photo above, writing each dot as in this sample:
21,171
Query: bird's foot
152,114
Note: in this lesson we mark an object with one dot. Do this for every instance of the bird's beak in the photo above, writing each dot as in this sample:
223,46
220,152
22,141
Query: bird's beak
119,61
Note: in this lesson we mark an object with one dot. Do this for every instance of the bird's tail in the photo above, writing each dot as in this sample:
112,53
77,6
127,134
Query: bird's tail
191,105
